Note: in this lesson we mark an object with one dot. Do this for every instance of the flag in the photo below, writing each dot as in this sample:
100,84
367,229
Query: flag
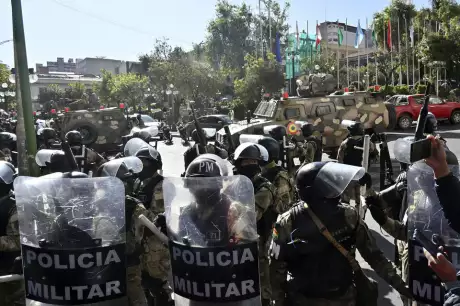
339,34
411,30
374,35
279,59
359,35
297,33
318,36
389,34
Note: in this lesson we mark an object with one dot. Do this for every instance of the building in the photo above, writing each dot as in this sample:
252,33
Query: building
61,79
58,66
94,66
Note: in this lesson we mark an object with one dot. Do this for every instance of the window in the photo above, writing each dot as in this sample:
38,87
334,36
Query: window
108,118
349,102
418,99
291,113
402,101
435,100
203,119
323,110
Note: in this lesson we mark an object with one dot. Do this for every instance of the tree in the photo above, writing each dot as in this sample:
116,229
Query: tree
4,75
388,66
130,88
75,91
104,89
52,92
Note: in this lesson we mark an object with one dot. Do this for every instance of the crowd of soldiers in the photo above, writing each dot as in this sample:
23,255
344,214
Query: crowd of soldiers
306,224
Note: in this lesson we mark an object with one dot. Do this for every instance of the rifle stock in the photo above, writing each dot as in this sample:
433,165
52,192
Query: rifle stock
200,131
231,144
422,116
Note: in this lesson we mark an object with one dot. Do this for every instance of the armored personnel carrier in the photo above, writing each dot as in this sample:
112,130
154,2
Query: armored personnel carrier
101,129
329,115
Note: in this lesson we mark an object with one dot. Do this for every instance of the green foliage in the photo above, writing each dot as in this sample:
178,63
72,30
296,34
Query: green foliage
75,91
401,90
4,74
104,89
52,92
421,89
259,76
387,90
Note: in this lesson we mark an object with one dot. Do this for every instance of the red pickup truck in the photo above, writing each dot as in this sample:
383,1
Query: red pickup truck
408,108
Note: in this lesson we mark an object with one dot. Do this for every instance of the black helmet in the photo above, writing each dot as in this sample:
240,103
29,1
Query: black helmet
249,150
151,154
195,136
431,124
73,138
207,165
275,131
272,146
58,163
305,177
307,129
356,129
7,172
47,133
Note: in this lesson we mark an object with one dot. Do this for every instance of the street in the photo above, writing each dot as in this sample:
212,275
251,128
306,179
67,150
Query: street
173,166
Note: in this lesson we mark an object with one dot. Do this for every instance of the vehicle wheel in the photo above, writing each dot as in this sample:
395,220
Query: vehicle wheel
88,132
455,117
404,122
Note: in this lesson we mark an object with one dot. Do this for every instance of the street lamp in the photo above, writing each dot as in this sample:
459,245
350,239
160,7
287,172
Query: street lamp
33,78
4,93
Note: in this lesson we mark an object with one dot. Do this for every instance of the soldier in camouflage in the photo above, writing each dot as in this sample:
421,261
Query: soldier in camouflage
311,149
350,154
90,159
320,274
247,160
134,231
195,150
11,293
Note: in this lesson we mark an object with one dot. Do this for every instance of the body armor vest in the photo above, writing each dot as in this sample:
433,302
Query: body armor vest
319,148
145,193
211,231
265,224
353,156
7,205
318,269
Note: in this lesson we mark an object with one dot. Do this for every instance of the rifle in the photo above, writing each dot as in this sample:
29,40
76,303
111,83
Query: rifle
231,144
69,155
199,130
386,167
422,116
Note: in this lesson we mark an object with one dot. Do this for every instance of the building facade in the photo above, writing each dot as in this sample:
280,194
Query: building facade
94,66
58,66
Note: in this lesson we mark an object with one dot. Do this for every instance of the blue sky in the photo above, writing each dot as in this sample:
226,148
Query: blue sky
123,29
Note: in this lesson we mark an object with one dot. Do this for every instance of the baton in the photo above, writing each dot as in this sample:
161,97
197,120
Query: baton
163,238
11,278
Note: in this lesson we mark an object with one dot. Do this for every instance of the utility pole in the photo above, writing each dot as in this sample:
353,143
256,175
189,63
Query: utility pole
22,73
261,30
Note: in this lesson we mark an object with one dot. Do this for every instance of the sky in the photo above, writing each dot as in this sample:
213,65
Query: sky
125,29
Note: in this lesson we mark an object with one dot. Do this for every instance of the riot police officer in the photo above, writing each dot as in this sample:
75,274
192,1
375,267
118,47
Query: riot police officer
350,154
46,138
315,242
277,175
11,293
196,150
311,149
247,160
87,158
125,169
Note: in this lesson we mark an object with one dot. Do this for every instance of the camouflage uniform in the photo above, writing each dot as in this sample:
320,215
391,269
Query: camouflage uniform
284,251
353,190
306,152
11,293
264,194
155,258
284,189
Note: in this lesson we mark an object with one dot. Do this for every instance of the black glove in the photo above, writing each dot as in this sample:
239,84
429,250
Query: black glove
366,180
375,206
160,222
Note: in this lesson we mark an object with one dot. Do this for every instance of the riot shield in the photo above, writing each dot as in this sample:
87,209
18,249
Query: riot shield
72,240
425,215
133,146
209,133
110,168
44,156
212,240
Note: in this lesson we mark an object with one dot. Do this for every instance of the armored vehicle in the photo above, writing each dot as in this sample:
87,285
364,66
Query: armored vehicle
101,129
329,115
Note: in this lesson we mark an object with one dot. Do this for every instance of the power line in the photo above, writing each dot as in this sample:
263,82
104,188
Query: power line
102,19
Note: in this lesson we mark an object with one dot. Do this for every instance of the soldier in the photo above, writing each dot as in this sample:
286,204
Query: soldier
194,150
350,154
311,150
124,169
277,175
89,158
11,293
247,160
315,243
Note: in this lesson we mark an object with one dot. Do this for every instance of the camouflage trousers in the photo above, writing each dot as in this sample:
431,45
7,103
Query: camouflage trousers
348,299
135,292
264,269
155,260
12,293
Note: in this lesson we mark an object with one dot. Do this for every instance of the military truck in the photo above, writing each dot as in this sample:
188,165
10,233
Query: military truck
329,115
101,129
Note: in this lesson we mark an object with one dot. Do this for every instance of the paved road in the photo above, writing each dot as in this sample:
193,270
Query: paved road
173,166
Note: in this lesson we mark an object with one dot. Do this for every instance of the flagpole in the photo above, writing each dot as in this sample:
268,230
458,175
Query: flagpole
399,53
327,32
407,51
367,51
418,60
317,54
338,59
346,50
391,52
359,65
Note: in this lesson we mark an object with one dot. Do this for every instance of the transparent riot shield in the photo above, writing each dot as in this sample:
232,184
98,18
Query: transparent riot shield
72,240
133,146
212,240
425,215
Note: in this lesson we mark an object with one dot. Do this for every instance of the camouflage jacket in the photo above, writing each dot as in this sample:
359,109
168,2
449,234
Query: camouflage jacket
306,152
264,194
365,243
283,186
